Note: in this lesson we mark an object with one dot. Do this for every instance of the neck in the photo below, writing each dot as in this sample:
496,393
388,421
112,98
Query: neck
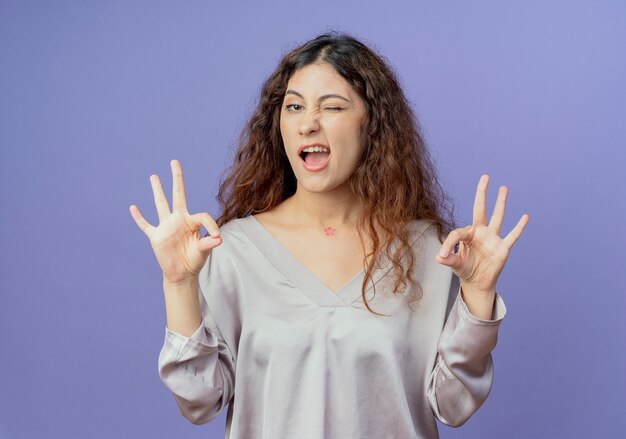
335,208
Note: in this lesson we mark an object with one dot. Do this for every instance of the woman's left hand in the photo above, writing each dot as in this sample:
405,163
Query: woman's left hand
482,253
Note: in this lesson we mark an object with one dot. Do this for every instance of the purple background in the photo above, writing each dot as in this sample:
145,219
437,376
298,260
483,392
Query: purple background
96,96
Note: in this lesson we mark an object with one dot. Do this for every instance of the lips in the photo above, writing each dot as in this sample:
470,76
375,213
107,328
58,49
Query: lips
316,163
310,144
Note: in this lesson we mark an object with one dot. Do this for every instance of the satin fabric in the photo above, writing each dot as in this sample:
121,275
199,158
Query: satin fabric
296,360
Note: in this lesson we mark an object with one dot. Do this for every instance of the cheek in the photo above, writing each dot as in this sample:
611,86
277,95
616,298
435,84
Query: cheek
282,127
287,129
348,137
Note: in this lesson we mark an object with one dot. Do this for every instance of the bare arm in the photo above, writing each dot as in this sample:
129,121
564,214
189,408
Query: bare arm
182,307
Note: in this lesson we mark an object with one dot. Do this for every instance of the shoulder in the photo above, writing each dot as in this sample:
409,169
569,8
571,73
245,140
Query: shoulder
222,263
422,229
234,229
424,237
237,237
230,233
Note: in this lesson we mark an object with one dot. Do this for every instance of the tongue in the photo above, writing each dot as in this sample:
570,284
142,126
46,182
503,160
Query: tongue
316,158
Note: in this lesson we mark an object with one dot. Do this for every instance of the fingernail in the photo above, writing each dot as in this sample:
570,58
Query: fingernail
214,233
443,253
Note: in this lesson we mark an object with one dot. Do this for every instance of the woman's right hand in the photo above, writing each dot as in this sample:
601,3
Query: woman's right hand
177,243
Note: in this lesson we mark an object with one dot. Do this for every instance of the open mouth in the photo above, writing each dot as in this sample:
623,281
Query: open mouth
315,156
315,161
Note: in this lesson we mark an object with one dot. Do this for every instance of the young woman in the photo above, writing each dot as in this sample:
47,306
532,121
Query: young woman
326,301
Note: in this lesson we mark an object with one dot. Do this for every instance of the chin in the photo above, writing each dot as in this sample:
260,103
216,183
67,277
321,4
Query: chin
319,187
314,188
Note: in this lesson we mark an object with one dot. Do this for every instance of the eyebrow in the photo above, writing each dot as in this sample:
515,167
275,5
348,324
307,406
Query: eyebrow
321,98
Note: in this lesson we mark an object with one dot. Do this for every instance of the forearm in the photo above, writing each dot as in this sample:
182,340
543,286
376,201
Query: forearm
463,372
182,306
479,303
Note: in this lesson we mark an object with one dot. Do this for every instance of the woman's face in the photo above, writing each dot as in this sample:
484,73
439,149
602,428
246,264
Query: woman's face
321,108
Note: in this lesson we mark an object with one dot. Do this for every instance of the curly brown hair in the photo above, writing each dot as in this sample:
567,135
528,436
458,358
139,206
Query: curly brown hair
395,180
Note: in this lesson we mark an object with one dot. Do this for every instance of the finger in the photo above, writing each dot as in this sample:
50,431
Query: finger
453,238
204,219
208,243
453,261
162,206
179,202
498,211
514,234
144,225
480,202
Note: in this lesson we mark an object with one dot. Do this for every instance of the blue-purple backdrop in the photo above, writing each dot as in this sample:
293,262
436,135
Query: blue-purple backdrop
96,96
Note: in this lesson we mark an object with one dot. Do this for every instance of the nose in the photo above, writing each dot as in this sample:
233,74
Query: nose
309,123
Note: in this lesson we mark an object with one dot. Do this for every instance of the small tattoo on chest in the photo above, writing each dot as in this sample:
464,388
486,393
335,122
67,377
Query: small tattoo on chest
329,231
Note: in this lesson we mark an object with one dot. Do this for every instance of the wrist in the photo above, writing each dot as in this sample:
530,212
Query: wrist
182,284
478,292
479,303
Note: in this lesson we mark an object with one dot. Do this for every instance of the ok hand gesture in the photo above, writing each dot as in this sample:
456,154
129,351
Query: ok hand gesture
177,243
482,252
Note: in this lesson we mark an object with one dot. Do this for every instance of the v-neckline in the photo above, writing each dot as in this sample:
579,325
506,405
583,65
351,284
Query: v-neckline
303,278
299,274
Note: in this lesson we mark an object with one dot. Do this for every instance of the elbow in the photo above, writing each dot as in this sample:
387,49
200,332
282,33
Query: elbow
198,418
198,401
455,421
453,403
198,413
454,416
459,406
195,418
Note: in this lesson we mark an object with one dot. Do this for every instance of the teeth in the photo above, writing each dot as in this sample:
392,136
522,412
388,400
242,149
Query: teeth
316,149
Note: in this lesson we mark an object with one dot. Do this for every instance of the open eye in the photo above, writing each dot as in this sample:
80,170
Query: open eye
291,107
